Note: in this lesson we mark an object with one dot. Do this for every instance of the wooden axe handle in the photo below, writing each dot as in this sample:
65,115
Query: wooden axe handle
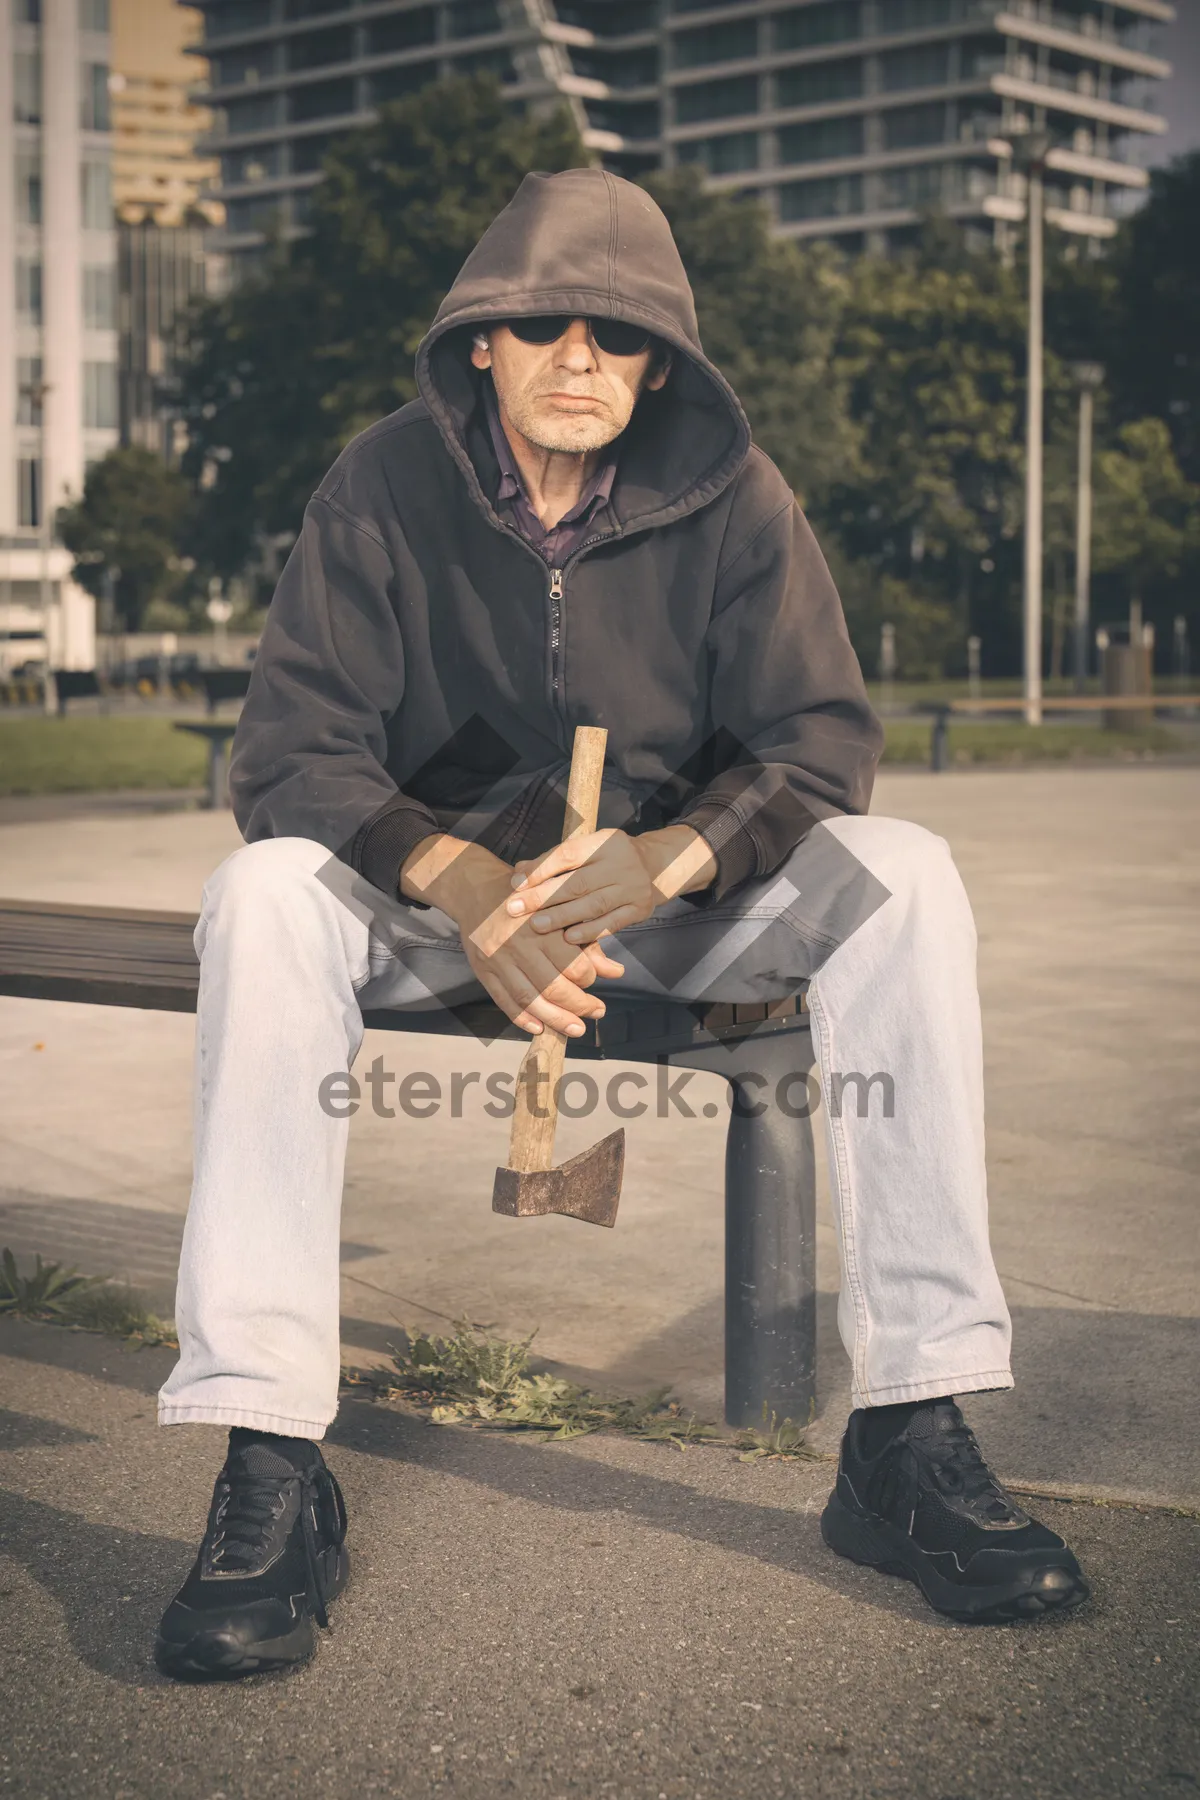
535,1114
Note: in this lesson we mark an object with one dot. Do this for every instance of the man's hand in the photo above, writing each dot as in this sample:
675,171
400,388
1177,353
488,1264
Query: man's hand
598,884
537,978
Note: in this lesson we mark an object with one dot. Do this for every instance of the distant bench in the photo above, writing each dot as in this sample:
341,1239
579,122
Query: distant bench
111,956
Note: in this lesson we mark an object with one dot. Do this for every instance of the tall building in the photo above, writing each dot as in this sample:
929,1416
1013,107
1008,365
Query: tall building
58,339
849,117
157,173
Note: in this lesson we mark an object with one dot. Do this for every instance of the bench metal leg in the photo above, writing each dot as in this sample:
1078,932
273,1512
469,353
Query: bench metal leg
770,1230
218,780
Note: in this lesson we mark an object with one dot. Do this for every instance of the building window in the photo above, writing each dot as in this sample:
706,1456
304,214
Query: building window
27,87
99,396
93,15
258,164
917,15
637,119
497,62
96,203
230,16
257,114
27,12
620,68
95,113
473,18
323,100
320,49
402,31
727,155
29,187
907,127
822,141
815,84
692,6
925,65
394,84
265,213
928,184
29,492
29,291
832,197
244,67
809,25
29,397
313,9
716,99
100,297
716,44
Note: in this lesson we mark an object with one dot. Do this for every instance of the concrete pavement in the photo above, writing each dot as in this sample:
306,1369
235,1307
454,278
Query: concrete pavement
608,1617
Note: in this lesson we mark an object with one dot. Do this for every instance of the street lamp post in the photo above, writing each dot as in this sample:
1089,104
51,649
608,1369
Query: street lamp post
1029,151
1088,377
36,392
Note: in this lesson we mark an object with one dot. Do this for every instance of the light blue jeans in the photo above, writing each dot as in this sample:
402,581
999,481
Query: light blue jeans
293,945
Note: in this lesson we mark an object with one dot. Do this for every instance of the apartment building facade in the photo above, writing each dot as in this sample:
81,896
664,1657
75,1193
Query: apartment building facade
58,311
849,118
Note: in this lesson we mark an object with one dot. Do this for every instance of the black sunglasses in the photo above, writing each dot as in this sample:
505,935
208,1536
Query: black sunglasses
613,336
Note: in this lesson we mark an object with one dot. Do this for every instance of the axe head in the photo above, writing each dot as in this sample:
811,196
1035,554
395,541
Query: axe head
588,1187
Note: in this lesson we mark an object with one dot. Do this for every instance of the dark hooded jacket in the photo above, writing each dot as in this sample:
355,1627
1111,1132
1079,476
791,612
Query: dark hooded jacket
421,669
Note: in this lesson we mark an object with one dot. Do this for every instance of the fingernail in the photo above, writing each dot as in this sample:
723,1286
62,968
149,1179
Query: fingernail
516,906
576,1030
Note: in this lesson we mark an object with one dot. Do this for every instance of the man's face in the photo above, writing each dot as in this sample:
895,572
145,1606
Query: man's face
567,395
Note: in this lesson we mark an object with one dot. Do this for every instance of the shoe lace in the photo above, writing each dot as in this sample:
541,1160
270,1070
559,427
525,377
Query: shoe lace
248,1511
960,1469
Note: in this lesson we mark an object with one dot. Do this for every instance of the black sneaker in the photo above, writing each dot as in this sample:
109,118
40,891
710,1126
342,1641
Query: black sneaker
927,1507
271,1560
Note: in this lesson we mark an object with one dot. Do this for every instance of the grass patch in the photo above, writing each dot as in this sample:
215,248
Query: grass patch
968,742
58,1296
40,755
474,1378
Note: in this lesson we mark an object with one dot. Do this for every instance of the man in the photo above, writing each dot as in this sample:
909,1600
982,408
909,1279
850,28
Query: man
572,526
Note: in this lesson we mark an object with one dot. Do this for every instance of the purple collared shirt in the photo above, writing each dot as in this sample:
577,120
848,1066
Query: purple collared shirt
556,544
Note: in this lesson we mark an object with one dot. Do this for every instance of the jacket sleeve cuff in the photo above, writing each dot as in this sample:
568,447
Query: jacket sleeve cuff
730,842
386,844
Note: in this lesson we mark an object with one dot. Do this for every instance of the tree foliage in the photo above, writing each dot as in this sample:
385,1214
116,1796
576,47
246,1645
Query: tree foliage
132,526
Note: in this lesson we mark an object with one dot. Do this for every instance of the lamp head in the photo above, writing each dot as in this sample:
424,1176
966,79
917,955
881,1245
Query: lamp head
1088,376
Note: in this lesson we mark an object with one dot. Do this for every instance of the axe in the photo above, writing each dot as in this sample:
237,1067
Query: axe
589,1185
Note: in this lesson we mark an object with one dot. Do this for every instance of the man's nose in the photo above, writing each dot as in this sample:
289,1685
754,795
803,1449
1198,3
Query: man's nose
574,348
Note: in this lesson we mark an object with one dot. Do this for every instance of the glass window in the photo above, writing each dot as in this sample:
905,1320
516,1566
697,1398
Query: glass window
29,491
320,49
925,65
29,186
620,68
322,100
29,398
496,62
609,18
308,153
689,6
27,12
402,31
27,87
716,99
93,15
258,164
95,114
726,155
263,213
230,16
96,203
99,396
716,43
924,185
808,25
236,67
472,18
822,141
312,9
905,127
830,197
916,15
816,83
257,114
394,84
29,291
100,297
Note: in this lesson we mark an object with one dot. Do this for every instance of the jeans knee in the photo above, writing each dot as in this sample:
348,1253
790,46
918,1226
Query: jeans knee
266,871
904,856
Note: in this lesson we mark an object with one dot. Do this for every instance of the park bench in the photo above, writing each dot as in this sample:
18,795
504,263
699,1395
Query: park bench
121,957
75,684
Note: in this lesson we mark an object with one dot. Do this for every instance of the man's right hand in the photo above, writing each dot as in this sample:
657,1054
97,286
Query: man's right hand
537,978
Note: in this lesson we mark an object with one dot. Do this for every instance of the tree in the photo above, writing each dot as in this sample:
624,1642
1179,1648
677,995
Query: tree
275,377
1154,352
130,525
1147,516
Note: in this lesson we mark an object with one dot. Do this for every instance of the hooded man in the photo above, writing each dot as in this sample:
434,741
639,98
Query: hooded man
571,526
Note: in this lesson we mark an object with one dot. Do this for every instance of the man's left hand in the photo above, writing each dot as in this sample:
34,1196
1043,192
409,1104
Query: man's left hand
601,883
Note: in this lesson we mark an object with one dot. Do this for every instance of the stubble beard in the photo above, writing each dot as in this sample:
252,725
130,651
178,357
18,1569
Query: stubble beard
573,435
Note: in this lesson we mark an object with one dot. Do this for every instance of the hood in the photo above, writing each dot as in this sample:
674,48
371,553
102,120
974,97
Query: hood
586,242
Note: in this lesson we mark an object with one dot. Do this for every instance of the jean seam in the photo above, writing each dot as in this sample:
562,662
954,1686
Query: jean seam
844,1194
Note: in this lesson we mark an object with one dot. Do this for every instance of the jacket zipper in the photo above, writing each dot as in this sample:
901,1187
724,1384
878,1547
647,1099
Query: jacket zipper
556,594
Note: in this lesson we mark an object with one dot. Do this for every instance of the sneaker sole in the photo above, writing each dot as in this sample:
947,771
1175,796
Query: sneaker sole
212,1657
878,1545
